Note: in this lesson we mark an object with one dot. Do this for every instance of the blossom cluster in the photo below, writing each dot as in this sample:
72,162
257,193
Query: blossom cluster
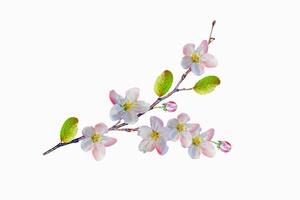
156,136
127,109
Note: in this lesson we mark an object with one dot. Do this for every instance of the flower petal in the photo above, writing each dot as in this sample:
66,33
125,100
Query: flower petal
208,135
193,127
188,49
141,107
207,149
156,123
197,68
161,147
88,131
108,141
147,145
115,97
194,152
183,118
145,132
116,112
86,144
172,123
99,152
130,117
186,62
132,94
209,60
186,139
203,47
167,133
101,128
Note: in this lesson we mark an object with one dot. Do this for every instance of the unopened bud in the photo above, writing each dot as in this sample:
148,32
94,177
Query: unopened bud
224,146
170,106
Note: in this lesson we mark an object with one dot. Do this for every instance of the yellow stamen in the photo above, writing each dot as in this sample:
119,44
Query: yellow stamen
127,106
96,138
195,57
196,141
180,127
154,135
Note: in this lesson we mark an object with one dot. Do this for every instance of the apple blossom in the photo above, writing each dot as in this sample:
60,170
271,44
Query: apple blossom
127,108
182,129
95,140
201,144
197,58
155,137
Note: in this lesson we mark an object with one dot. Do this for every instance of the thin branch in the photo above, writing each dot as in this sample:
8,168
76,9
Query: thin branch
63,144
118,125
127,129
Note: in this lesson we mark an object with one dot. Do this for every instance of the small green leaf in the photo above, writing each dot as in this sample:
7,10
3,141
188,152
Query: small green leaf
163,83
69,130
207,84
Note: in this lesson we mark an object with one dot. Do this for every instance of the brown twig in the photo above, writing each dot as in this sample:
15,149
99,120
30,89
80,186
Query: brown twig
117,126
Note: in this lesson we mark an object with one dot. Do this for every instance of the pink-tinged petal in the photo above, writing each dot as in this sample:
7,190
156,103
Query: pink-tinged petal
209,60
147,146
208,149
162,148
132,94
203,47
193,127
145,132
116,112
86,144
186,62
108,141
197,68
88,131
115,98
188,49
141,107
101,128
183,118
156,123
208,135
172,123
195,133
186,139
99,152
130,117
194,152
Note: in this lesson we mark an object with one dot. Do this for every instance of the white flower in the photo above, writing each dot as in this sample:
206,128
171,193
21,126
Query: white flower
127,108
95,140
183,129
198,58
155,137
201,144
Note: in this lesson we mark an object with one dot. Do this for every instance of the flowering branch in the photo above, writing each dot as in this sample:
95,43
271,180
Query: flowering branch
129,109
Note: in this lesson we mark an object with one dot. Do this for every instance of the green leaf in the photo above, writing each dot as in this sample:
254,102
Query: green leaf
207,84
69,130
163,83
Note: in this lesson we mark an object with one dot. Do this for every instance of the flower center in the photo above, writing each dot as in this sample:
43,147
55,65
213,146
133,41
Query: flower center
127,106
96,138
180,127
195,57
196,141
155,135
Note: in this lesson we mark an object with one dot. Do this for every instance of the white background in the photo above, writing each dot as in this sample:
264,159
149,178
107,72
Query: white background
60,58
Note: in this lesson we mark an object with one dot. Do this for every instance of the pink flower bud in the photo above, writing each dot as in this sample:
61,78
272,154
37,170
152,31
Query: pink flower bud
224,146
170,106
